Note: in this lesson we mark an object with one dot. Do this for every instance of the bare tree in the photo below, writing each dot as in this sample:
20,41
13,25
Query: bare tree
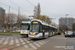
21,18
10,20
37,10
54,24
63,27
73,27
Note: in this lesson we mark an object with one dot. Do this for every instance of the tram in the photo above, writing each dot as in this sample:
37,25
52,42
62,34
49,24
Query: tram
40,29
25,26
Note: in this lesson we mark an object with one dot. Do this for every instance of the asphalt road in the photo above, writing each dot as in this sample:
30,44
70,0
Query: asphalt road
16,42
59,43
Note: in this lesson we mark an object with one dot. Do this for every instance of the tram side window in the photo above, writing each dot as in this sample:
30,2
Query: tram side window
40,28
45,28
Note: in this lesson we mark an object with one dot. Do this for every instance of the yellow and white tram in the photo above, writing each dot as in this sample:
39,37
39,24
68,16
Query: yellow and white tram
40,29
25,26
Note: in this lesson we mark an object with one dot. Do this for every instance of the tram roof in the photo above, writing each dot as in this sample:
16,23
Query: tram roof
44,23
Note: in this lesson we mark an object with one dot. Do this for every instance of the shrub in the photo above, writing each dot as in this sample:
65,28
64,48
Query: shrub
64,32
59,33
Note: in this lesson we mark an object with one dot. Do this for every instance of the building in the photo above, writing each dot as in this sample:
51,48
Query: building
2,16
66,21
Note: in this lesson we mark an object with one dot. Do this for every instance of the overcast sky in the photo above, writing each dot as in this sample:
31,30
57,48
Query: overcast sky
52,8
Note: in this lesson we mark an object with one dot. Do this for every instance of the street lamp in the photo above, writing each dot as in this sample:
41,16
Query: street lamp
66,15
67,20
31,16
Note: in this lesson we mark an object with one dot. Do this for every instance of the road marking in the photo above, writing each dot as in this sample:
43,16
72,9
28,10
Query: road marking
11,41
26,41
23,43
26,46
16,40
2,40
37,44
40,43
18,44
21,40
32,46
6,41
43,41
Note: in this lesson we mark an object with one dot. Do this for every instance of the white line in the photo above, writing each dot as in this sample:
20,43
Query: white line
26,46
21,40
11,41
42,41
6,41
2,40
32,46
23,43
17,44
26,41
37,44
16,40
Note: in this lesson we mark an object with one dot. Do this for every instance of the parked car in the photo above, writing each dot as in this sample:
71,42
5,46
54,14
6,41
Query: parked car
70,34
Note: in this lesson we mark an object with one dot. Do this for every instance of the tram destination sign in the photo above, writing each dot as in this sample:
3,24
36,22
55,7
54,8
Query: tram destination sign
35,22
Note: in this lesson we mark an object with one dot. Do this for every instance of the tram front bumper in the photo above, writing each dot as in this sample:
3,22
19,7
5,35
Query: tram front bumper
33,36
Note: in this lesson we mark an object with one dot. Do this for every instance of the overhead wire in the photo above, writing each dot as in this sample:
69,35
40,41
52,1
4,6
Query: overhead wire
34,5
30,3
8,5
19,6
